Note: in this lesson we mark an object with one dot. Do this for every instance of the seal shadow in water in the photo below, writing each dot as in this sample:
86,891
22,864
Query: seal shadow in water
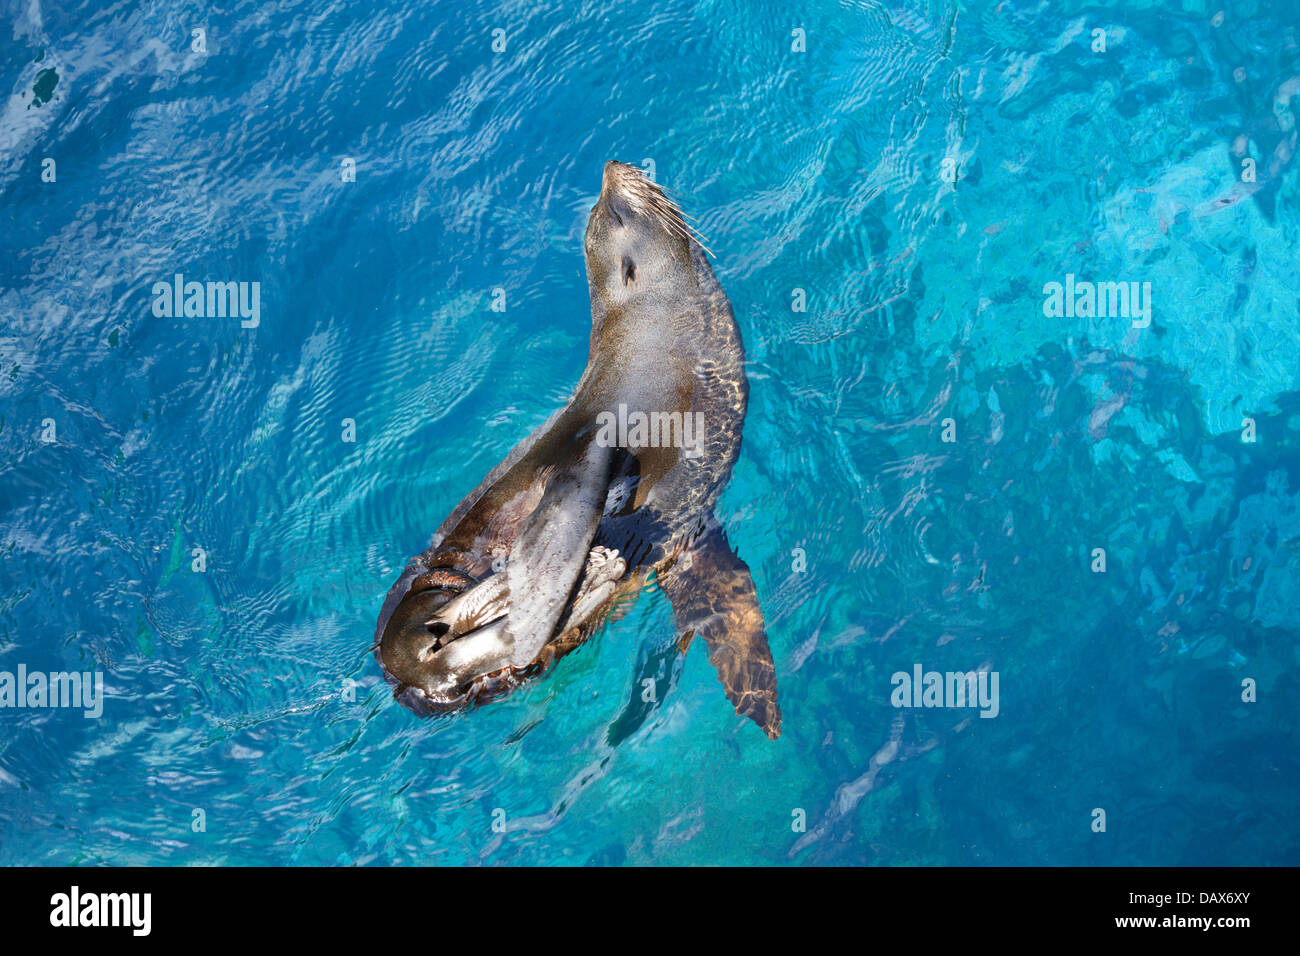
615,489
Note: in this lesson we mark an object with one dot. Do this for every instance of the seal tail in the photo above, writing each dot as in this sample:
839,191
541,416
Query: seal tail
713,595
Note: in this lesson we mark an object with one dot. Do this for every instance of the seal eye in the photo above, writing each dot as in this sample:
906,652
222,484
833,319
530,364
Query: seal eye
629,270
439,631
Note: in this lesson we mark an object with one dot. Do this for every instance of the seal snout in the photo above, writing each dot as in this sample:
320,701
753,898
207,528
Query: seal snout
637,212
443,638
619,192
620,179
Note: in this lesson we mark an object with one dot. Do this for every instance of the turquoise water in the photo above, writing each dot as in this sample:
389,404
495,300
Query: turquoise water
875,544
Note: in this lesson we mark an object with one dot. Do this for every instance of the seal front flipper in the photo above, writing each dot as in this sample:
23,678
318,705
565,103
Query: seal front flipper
713,594
551,549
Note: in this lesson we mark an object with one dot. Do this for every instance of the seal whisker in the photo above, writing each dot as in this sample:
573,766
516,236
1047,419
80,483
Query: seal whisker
652,200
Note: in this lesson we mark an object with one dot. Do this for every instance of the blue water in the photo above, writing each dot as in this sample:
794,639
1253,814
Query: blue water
228,735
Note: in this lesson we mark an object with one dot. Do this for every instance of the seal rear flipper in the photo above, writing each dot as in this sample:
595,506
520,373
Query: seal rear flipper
551,550
657,670
713,594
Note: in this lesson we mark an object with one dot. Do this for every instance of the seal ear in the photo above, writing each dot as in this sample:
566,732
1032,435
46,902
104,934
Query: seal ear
713,594
551,550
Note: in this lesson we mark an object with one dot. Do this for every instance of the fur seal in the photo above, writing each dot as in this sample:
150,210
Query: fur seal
615,488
